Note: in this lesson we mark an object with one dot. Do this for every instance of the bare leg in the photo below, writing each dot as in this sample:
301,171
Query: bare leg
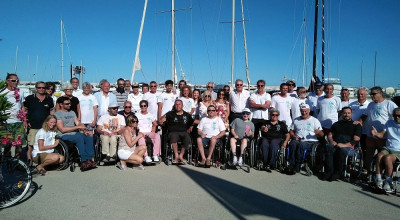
29,152
243,145
52,158
201,150
175,148
213,142
378,163
182,154
388,161
233,145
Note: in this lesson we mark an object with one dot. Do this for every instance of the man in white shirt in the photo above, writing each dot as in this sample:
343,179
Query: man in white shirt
259,103
210,130
313,97
301,99
377,114
210,88
135,98
283,102
238,100
147,125
304,133
75,84
328,108
345,97
109,127
104,98
152,98
166,100
291,86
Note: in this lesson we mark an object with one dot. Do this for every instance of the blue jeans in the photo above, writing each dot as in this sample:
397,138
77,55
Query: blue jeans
297,149
84,143
335,159
270,149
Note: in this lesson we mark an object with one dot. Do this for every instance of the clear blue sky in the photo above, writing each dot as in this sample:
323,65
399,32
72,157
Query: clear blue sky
103,35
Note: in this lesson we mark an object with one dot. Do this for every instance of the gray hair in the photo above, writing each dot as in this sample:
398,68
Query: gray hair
86,84
101,83
274,110
39,82
67,85
396,110
127,102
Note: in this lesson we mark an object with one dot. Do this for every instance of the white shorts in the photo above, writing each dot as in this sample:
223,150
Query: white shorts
124,154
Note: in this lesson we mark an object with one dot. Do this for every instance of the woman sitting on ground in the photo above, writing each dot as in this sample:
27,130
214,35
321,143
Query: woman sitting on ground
45,142
128,152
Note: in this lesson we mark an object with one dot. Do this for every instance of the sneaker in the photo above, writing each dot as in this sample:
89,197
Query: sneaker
267,168
388,187
378,183
155,159
240,162
235,161
148,159
106,159
112,159
297,168
139,167
121,167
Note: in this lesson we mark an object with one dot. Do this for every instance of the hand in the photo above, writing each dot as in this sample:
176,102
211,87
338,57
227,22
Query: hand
140,135
81,126
56,143
317,130
93,123
236,137
203,135
284,145
265,129
374,132
357,123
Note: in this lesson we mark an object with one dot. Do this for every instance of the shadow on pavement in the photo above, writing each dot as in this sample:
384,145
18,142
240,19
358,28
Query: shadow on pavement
379,199
243,202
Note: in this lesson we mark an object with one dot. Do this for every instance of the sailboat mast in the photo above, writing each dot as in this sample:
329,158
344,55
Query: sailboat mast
62,52
323,42
173,40
233,42
136,62
245,48
314,76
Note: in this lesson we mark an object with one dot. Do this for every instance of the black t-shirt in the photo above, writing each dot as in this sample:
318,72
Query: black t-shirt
126,117
74,104
343,131
278,130
178,123
38,110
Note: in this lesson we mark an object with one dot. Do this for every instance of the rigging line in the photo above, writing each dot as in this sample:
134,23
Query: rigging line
192,74
294,20
205,40
338,39
294,46
156,45
216,39
66,40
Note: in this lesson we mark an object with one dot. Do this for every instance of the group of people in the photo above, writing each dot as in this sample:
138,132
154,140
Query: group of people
288,118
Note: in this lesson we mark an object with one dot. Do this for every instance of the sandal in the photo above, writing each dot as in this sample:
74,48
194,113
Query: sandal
43,172
183,162
202,163
92,164
208,162
84,166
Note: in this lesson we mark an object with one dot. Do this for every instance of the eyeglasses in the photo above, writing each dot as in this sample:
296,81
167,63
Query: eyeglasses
40,87
373,93
239,84
153,86
211,110
121,84
52,89
207,96
209,87
68,90
274,115
13,80
127,106
222,94
68,103
246,113
396,116
260,85
290,84
114,108
135,121
142,106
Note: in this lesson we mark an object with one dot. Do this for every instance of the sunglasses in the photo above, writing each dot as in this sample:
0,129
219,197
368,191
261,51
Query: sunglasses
211,110
239,84
127,106
396,116
246,113
68,90
121,84
222,94
50,89
209,87
260,85
13,80
373,93
153,86
68,103
274,115
135,121
207,96
142,106
290,84
115,108
40,87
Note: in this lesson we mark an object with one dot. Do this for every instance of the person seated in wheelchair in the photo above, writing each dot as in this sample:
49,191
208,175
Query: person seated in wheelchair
43,147
129,150
343,137
147,126
274,133
70,129
179,124
109,127
390,153
304,133
210,130
241,130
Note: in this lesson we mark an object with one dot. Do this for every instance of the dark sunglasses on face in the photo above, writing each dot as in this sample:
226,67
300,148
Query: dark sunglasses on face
274,115
373,93
68,103
115,108
207,96
135,121
13,80
396,116
50,89
209,87
260,85
239,84
211,110
127,106
153,86
142,106
40,87
246,113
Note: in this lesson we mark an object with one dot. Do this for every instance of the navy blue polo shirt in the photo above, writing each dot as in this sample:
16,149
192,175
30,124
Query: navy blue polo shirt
38,110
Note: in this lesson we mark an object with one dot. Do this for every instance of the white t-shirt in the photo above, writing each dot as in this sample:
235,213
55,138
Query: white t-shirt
378,114
16,106
145,121
188,104
313,100
306,128
393,135
260,99
284,105
111,123
238,102
346,103
168,101
328,110
296,106
86,104
152,98
358,111
135,99
48,137
211,126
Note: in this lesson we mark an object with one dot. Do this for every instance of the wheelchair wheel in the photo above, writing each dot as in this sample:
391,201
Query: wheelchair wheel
97,150
62,148
15,180
253,151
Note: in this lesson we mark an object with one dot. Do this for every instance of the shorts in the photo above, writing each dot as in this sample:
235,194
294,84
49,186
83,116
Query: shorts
40,158
124,154
387,151
31,136
206,141
182,136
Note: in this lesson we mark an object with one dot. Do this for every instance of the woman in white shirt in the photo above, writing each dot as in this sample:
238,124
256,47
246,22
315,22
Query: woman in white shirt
45,142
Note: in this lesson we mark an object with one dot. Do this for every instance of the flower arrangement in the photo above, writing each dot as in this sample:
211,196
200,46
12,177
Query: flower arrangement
16,94
21,115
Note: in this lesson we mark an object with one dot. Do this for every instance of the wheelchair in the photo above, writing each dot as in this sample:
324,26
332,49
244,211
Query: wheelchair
98,156
217,157
311,160
228,156
354,164
70,153
395,176
169,152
